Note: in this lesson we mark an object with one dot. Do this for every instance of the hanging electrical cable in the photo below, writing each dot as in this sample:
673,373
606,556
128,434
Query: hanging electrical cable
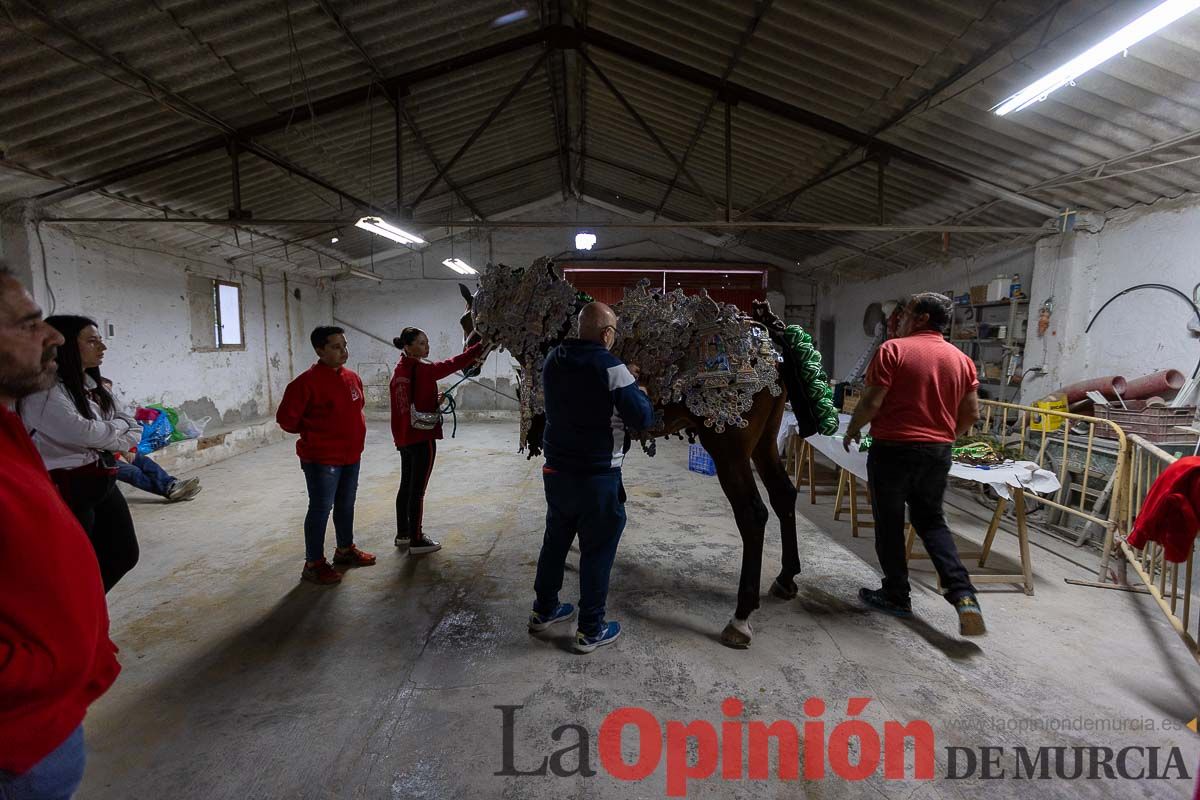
1162,286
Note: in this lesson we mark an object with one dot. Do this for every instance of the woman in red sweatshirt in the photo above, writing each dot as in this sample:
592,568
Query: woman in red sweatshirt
414,389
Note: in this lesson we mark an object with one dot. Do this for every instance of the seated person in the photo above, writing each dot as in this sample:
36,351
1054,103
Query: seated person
140,471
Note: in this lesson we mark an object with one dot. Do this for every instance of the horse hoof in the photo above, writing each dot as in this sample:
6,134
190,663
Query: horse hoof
784,592
732,637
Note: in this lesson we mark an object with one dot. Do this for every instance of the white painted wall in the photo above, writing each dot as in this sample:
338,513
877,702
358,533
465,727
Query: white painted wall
141,287
1141,332
847,302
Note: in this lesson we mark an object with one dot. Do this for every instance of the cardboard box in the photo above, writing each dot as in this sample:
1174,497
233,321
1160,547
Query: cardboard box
849,401
979,294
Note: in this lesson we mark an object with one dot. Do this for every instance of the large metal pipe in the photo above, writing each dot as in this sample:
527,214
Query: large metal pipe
1109,386
1157,383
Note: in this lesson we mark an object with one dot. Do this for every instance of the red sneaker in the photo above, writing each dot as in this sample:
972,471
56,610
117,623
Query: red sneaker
353,557
320,572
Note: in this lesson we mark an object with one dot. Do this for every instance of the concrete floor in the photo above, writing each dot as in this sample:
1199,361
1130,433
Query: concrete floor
241,682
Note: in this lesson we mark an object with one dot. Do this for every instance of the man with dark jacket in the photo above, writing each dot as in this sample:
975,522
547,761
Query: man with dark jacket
55,655
591,398
920,396
325,406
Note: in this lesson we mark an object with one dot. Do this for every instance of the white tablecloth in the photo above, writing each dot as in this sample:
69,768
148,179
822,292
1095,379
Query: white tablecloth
1013,474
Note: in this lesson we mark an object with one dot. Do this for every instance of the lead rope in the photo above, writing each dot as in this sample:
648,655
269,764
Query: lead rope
449,404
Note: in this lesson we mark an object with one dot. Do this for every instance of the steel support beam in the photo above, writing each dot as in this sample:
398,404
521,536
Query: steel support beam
301,113
556,36
880,166
761,8
802,116
398,132
236,176
645,126
483,126
787,199
766,225
728,165
437,164
172,100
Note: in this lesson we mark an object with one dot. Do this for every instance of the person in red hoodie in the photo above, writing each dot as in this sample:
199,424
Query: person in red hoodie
55,654
414,391
325,406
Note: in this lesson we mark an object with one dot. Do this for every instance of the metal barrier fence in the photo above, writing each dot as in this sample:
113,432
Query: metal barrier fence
1161,578
1073,437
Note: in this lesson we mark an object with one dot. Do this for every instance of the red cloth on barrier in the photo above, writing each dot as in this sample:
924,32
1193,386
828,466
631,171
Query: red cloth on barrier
1170,515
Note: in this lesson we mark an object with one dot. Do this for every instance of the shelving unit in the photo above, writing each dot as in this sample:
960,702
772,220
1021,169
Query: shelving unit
996,359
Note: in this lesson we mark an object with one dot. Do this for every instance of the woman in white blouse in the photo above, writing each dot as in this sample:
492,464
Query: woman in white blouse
79,428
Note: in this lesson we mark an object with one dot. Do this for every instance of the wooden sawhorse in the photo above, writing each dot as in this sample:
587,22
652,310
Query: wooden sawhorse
1025,577
806,471
848,492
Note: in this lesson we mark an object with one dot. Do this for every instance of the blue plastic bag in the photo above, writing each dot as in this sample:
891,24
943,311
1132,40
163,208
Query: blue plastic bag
155,435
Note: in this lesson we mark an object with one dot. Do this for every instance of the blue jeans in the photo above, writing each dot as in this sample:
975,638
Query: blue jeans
145,475
329,487
55,777
594,507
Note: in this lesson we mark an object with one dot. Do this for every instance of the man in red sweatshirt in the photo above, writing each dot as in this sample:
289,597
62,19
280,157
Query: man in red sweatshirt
55,654
325,406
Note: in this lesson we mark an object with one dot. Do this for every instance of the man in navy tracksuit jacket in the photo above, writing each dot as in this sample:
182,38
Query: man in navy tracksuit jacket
591,398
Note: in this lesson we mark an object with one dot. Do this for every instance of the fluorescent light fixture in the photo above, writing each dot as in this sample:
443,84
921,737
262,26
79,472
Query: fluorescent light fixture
388,231
1154,20
510,18
584,240
460,266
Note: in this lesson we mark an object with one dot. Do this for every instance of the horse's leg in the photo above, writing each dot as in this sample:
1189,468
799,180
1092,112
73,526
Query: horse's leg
737,481
782,495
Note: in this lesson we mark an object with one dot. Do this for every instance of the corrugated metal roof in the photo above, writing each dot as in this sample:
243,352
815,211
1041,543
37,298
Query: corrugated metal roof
96,85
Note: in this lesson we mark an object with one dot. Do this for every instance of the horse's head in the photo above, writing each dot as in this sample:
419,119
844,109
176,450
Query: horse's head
467,323
467,320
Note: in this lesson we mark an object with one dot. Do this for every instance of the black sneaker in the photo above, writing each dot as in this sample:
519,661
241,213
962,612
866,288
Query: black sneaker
423,544
879,601
970,616
402,540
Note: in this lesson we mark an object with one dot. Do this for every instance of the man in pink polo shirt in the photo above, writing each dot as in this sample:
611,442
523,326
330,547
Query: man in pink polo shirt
921,395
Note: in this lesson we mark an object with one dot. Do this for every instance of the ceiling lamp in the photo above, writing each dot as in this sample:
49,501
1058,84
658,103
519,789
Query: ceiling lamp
460,266
387,230
1154,20
584,240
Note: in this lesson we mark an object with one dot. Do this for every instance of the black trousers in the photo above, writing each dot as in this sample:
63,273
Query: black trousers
416,465
94,499
913,474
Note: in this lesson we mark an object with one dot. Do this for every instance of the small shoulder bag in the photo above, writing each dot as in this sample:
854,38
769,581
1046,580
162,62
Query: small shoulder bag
421,420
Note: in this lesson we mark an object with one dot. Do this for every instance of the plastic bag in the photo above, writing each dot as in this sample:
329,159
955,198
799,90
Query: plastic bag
173,415
155,435
192,428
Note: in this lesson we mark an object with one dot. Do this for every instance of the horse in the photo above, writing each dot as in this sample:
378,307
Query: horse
734,451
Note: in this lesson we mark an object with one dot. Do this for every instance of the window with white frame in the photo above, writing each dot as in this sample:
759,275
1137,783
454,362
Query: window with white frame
227,314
